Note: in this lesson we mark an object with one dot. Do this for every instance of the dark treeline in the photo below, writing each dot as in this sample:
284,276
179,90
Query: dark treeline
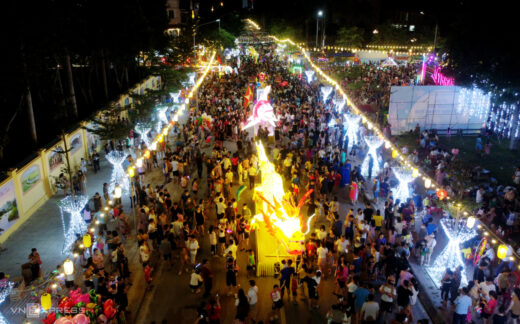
50,46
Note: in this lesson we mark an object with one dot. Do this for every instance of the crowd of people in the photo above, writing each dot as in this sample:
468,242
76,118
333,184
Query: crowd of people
362,239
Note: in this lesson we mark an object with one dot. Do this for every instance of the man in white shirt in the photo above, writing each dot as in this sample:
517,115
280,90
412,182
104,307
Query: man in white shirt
252,296
233,248
322,256
370,310
487,286
462,304
192,245
342,245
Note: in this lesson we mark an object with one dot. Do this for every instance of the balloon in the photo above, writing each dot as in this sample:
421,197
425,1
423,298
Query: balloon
455,151
80,319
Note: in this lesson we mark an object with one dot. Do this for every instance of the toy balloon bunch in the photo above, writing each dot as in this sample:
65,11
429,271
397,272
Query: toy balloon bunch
78,308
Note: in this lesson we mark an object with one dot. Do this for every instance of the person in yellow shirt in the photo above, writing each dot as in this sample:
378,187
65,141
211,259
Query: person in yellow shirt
378,220
252,175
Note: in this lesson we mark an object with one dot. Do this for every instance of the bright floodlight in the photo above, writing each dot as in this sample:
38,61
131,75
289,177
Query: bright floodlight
373,143
451,256
326,91
76,226
320,13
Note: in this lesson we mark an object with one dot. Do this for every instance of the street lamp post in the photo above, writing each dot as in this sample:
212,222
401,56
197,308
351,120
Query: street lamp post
320,13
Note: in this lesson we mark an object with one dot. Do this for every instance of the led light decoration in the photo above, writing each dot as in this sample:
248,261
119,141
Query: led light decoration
262,111
339,103
474,103
402,191
143,130
191,77
161,114
373,143
309,74
176,97
76,226
440,79
116,158
4,292
279,215
326,91
352,125
451,255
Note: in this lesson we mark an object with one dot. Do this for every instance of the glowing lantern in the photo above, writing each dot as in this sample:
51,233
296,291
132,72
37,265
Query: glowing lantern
118,191
502,251
46,301
470,222
394,154
415,173
147,154
442,194
87,241
68,267
161,139
153,147
427,183
165,132
131,172
139,163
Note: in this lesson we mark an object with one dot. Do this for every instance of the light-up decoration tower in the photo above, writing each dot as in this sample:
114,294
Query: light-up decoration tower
326,91
77,226
276,218
263,112
176,96
339,103
451,255
404,177
119,176
161,114
352,124
191,77
309,74
373,143
143,130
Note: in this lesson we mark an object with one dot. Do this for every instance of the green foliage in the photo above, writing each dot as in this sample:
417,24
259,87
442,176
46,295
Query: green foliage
350,37
181,49
281,29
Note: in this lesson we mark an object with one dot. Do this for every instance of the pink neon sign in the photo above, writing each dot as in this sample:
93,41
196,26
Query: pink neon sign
440,79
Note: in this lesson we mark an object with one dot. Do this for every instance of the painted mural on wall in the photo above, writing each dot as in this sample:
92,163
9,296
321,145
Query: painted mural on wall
8,206
30,177
75,143
55,158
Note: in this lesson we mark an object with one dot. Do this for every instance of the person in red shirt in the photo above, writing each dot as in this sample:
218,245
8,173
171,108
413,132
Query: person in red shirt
213,309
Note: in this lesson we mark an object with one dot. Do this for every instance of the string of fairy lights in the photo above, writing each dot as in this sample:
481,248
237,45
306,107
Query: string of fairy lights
397,154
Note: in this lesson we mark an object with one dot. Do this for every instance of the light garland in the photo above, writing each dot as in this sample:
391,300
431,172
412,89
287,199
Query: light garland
77,226
473,103
373,143
450,257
